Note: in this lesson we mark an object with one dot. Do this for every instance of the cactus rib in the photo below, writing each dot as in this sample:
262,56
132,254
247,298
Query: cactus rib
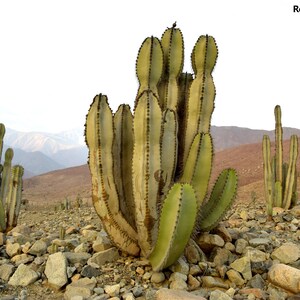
99,138
145,165
122,154
268,173
202,91
169,145
198,165
149,66
173,49
290,178
278,144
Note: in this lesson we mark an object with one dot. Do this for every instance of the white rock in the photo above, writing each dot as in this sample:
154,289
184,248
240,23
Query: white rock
56,270
23,276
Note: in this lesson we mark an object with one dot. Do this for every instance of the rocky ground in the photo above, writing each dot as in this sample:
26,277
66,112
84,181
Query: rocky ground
66,255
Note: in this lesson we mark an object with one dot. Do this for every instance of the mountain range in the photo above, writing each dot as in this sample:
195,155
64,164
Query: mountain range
41,152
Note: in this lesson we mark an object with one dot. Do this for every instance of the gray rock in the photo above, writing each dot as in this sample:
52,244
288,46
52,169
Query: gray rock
222,257
214,282
261,267
112,290
23,276
240,245
56,270
177,276
21,238
85,282
178,284
137,291
276,294
180,266
256,255
287,253
158,277
38,248
235,277
23,229
12,249
223,232
219,295
257,282
22,259
193,283
259,241
89,271
208,241
82,248
243,266
77,258
101,243
128,296
167,294
77,291
105,256
6,271
195,270
178,281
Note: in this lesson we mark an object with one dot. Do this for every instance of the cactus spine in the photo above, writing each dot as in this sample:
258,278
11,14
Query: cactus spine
280,179
11,188
159,160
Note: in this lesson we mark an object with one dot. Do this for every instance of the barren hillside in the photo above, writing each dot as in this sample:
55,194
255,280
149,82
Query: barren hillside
56,185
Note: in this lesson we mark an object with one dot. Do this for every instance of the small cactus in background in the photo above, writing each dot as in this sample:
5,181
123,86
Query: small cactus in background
11,188
62,232
78,201
280,179
66,204
151,170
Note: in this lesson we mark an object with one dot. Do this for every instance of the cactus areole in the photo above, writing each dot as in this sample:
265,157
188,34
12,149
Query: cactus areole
151,168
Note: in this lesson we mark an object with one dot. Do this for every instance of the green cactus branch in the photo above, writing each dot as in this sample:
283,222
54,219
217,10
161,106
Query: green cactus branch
178,216
147,137
221,198
151,170
99,138
201,98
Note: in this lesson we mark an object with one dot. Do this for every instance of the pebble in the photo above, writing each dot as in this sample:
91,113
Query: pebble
158,277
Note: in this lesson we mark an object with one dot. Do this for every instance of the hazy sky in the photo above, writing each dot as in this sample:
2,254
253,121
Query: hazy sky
55,56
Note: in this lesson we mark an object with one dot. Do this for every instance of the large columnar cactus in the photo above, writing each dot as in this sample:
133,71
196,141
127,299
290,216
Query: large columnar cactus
151,170
280,178
11,188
